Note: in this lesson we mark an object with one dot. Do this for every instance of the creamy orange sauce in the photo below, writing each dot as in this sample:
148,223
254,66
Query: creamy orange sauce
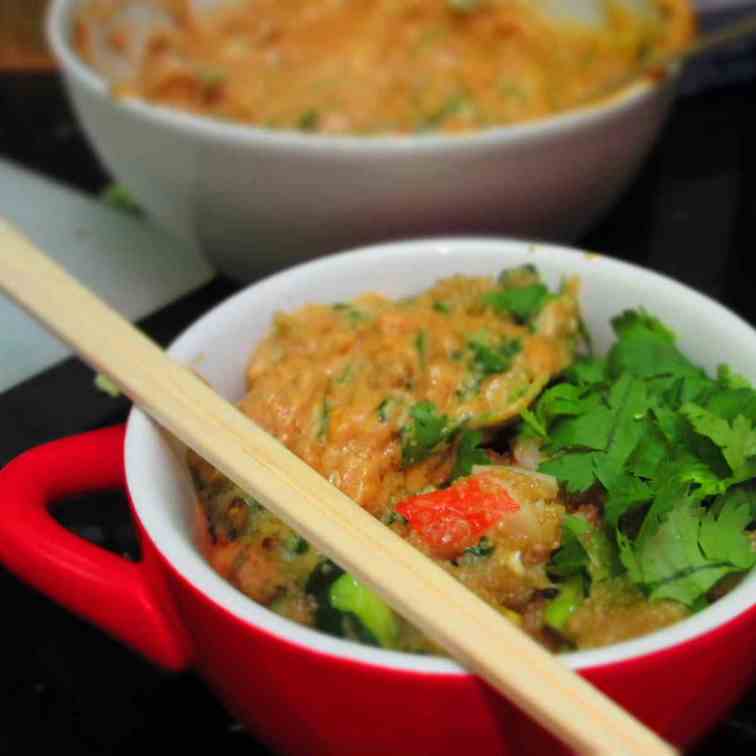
374,66
337,383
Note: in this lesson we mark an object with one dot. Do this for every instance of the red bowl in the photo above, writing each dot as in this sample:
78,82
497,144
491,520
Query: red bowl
301,691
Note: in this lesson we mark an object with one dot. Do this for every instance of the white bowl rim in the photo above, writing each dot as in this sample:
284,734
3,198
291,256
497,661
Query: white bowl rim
193,568
216,130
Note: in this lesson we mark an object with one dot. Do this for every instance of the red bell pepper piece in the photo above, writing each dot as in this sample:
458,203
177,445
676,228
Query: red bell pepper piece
453,519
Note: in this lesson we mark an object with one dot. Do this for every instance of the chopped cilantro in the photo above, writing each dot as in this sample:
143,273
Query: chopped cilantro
424,432
455,105
488,359
386,408
484,548
295,545
464,6
585,548
523,303
521,275
119,198
324,419
309,120
670,449
106,384
469,454
693,548
421,345
736,439
346,375
354,315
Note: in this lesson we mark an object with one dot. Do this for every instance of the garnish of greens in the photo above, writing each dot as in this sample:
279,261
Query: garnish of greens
672,452
520,298
119,198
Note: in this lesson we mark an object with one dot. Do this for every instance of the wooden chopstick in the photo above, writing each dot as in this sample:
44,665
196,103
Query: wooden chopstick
470,630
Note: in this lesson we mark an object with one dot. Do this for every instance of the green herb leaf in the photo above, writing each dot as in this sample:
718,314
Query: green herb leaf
585,549
523,303
309,120
646,348
488,359
484,548
573,469
469,454
737,439
426,430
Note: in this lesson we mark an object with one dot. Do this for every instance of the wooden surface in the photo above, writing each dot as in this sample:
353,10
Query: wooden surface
22,39
468,628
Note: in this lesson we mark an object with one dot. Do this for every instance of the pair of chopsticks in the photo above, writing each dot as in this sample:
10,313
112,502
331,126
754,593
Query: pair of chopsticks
470,630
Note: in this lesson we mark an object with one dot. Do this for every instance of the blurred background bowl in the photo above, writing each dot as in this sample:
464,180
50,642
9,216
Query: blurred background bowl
256,200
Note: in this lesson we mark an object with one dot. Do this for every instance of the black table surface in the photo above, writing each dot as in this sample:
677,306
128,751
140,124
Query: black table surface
691,214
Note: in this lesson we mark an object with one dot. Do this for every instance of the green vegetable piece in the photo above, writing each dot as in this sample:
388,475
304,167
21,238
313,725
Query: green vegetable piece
737,440
573,469
469,454
211,78
646,348
484,548
723,534
309,120
625,493
597,441
464,6
354,315
426,430
587,372
386,409
295,545
684,552
560,609
348,595
519,276
728,379
488,359
652,449
585,550
532,426
106,385
346,375
319,583
118,197
523,303
454,105
421,346
324,420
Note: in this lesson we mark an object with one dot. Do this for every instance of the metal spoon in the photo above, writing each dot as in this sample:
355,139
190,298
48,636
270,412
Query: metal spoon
659,64
595,13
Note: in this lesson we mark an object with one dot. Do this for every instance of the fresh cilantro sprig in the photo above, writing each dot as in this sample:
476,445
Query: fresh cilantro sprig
426,430
520,295
522,303
469,454
670,449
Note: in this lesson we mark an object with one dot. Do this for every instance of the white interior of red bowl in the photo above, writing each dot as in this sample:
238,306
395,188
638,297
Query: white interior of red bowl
59,25
219,344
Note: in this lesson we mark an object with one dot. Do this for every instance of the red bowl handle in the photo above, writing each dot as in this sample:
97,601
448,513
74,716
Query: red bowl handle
127,599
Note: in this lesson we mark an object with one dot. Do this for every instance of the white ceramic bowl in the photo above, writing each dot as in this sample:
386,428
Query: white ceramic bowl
256,200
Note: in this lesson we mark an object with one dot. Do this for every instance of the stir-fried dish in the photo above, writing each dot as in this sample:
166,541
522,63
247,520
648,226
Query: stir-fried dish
368,66
588,499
